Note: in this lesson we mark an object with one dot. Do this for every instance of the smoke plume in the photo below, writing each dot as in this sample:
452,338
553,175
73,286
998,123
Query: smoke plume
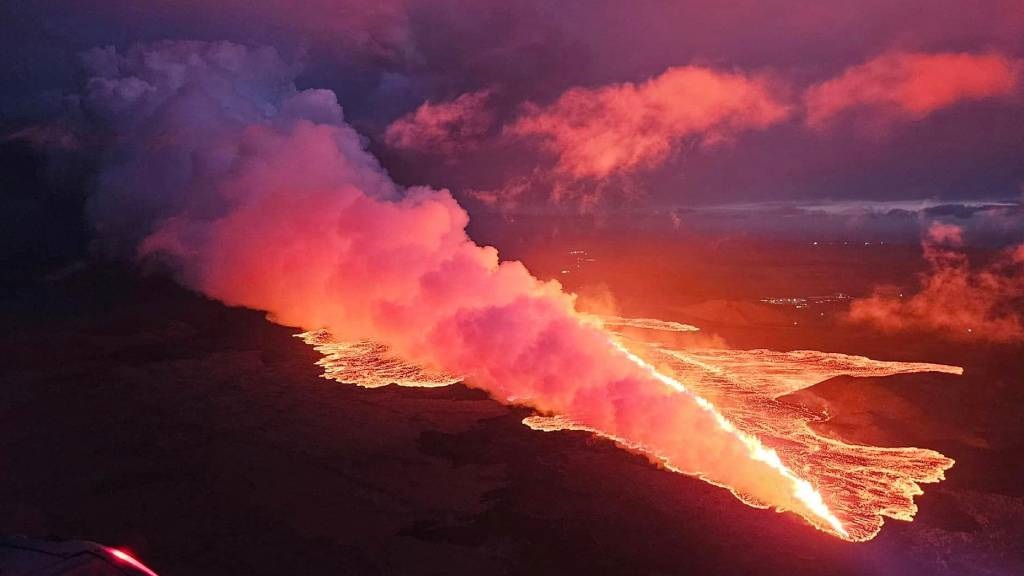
956,299
260,195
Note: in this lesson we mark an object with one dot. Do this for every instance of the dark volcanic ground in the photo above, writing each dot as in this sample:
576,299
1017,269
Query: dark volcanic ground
135,413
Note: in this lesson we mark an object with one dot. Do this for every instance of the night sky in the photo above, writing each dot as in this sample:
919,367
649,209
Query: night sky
871,137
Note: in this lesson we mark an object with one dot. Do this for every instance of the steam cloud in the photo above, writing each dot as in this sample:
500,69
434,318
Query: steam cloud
589,139
956,299
261,195
622,127
911,85
444,127
592,136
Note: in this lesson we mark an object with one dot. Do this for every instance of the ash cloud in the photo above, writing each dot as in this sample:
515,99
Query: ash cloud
261,195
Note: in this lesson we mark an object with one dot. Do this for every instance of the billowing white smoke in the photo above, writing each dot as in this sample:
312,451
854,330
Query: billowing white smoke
261,195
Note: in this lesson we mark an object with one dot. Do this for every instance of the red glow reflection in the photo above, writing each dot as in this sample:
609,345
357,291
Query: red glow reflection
130,560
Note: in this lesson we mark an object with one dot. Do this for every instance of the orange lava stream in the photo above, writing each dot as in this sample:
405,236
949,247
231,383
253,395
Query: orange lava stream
647,323
369,365
863,484
802,489
741,389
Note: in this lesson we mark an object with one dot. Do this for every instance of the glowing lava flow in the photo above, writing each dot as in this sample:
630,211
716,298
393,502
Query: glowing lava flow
368,364
802,489
646,323
742,390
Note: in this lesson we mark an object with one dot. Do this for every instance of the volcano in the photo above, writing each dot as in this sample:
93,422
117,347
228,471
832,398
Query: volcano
204,438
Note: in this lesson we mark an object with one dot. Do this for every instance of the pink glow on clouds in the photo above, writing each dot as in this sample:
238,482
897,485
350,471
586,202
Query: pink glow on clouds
444,127
595,133
956,299
590,137
911,86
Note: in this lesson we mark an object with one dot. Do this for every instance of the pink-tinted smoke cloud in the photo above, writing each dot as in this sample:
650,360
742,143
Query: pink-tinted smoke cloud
443,128
911,86
956,299
586,144
261,195
598,132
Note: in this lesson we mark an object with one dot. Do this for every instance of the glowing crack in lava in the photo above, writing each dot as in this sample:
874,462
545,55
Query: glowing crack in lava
847,489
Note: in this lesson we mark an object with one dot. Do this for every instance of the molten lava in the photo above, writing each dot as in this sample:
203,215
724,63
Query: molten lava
802,489
266,198
843,489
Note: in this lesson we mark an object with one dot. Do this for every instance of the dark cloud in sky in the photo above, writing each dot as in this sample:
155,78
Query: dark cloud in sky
385,59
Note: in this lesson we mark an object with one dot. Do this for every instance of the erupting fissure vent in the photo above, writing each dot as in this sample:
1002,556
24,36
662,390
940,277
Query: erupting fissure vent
843,489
